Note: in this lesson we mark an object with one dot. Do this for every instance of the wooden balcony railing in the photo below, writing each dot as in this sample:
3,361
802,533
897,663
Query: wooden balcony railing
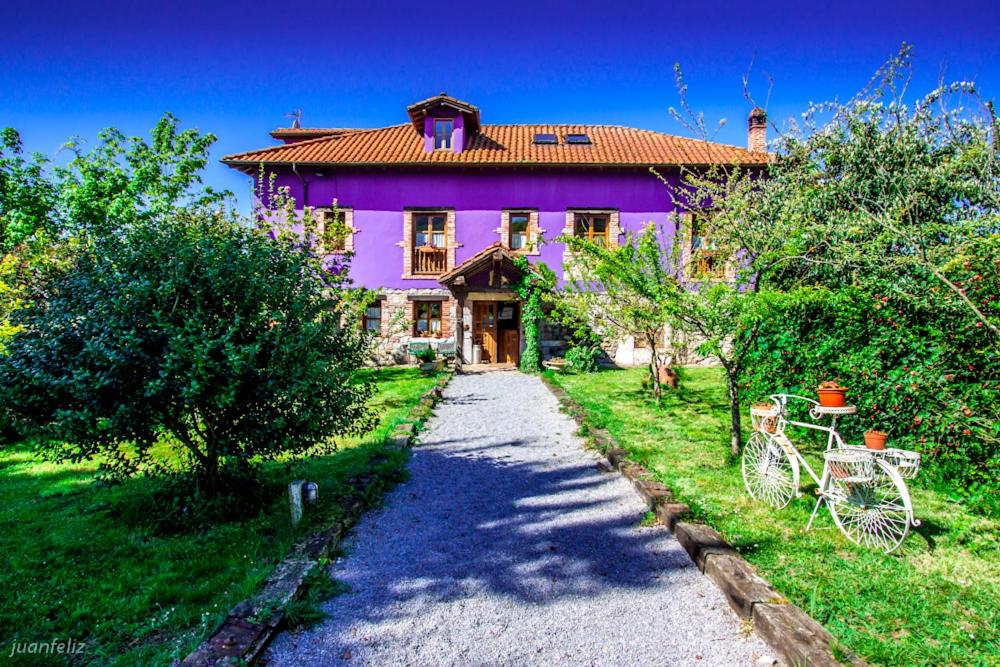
429,261
709,264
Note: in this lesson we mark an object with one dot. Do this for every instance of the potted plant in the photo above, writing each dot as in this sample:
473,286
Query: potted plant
831,394
875,439
428,360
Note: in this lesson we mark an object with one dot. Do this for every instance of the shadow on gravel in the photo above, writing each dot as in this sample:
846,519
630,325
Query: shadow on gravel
478,521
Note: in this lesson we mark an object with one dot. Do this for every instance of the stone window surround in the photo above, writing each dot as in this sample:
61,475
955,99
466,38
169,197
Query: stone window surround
451,245
319,214
447,315
534,232
684,221
383,315
614,225
614,228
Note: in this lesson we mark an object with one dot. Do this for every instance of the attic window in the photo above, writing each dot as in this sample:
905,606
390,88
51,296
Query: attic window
442,133
578,139
543,138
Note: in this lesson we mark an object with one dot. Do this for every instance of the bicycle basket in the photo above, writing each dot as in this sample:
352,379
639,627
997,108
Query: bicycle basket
764,416
907,463
851,465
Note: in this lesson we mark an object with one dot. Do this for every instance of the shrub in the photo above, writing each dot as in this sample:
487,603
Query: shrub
924,374
425,355
198,326
583,358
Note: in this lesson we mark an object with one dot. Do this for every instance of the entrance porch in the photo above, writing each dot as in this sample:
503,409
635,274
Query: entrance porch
489,310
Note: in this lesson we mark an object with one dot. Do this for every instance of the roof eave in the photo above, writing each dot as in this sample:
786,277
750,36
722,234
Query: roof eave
560,165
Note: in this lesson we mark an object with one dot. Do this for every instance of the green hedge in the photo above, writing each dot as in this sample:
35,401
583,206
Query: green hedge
925,374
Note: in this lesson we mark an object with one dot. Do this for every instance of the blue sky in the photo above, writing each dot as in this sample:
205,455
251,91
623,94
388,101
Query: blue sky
236,68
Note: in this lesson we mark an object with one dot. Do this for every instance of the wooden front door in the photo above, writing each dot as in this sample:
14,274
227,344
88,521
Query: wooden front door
484,329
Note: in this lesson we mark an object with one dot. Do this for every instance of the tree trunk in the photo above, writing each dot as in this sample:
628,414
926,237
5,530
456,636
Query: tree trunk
735,434
654,367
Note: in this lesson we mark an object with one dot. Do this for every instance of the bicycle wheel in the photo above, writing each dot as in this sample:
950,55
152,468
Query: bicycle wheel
874,513
769,472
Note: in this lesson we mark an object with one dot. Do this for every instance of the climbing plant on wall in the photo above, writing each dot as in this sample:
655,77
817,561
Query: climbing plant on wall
530,287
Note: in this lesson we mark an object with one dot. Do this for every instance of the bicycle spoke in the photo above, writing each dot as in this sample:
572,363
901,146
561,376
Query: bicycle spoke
873,513
768,472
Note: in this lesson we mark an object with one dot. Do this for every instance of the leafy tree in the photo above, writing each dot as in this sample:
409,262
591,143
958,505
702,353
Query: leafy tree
27,202
199,327
893,208
168,322
47,213
621,291
123,180
27,196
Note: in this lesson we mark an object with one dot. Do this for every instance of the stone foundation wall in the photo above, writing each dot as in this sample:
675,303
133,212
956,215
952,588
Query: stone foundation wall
398,311
678,349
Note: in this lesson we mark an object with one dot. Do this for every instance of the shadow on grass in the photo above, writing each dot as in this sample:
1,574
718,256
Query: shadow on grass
929,530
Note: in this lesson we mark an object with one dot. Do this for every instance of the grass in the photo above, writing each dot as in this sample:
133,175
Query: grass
936,601
78,561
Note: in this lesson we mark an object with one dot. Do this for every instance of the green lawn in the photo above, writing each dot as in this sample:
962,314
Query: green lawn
936,601
78,562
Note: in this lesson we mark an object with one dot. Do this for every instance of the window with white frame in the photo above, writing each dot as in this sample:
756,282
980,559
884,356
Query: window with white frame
443,129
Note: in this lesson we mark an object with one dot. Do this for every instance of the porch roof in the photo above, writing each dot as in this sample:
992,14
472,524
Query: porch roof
495,259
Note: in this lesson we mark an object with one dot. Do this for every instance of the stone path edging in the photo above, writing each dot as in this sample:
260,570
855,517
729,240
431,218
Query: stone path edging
785,627
243,637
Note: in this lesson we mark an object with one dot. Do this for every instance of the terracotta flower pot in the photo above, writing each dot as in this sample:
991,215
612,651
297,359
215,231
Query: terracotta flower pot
875,439
832,395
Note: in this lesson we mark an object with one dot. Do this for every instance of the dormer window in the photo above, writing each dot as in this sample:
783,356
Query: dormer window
443,128
446,124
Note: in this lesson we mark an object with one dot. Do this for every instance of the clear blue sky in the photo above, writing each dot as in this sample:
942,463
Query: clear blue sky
232,68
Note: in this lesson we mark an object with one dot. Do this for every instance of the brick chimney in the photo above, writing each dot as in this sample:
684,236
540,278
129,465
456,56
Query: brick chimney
757,130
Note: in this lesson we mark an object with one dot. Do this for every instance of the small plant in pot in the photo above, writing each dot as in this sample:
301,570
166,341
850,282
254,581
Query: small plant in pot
831,394
428,360
875,439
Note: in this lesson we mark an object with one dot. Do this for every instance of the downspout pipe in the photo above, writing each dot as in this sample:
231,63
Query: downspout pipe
305,185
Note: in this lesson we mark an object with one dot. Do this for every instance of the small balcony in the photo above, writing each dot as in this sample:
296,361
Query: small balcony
709,264
429,260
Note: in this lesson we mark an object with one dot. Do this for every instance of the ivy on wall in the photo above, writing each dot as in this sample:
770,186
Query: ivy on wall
530,289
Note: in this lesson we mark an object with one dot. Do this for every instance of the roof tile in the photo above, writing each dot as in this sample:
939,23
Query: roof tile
501,145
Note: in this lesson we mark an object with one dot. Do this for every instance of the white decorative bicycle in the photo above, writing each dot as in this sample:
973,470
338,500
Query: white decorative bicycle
864,489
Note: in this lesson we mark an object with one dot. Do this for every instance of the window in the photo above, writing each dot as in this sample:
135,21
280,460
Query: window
519,224
706,257
578,139
699,234
442,133
428,242
429,229
427,318
544,138
332,230
593,227
372,319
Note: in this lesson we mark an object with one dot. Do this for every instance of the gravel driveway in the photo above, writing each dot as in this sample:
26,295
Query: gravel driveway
508,547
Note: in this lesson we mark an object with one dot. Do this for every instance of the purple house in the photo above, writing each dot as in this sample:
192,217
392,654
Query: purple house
436,208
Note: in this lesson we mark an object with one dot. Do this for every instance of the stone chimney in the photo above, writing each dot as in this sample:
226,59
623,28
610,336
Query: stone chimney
757,130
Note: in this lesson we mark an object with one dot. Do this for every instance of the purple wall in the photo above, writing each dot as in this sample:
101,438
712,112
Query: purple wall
379,197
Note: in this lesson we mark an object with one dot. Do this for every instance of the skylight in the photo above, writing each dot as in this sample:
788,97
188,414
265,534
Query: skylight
543,138
578,139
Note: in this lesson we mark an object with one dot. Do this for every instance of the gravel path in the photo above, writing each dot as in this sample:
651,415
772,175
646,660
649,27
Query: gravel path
508,547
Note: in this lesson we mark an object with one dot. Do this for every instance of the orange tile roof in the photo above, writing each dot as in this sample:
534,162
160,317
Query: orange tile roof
502,145
309,132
